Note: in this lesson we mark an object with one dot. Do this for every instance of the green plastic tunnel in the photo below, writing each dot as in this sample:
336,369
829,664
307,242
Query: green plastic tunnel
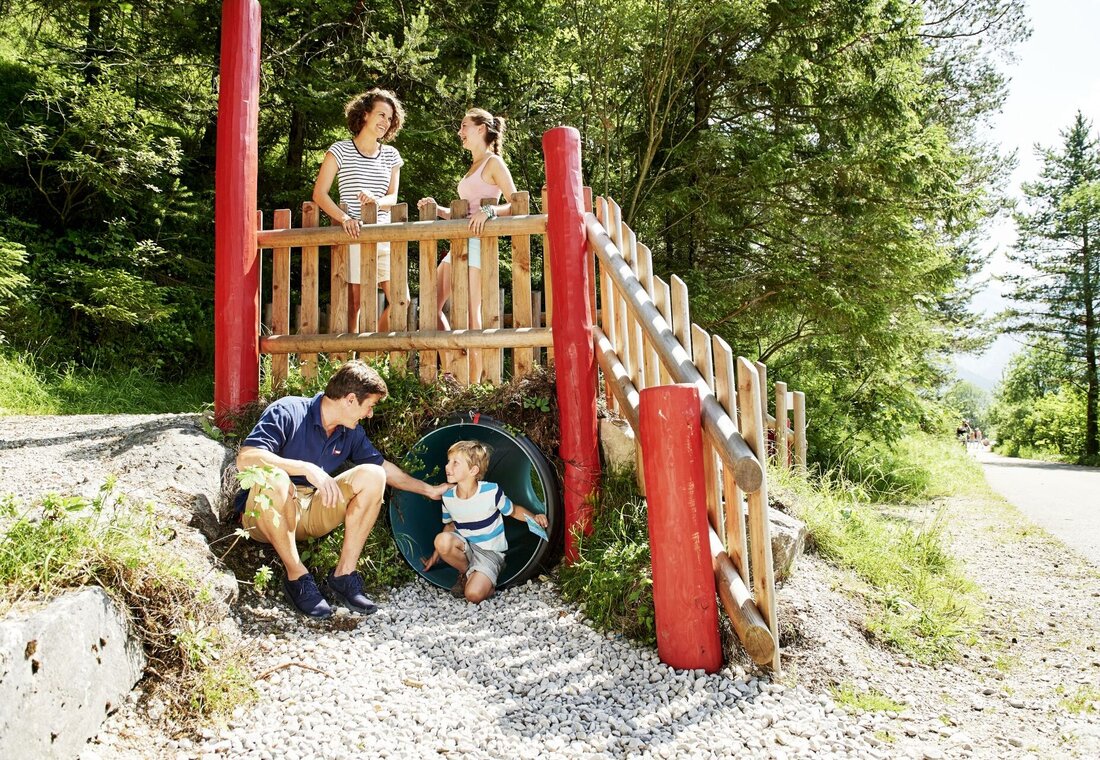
516,465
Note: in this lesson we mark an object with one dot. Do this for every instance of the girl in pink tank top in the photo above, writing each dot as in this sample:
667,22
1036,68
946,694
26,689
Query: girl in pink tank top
481,133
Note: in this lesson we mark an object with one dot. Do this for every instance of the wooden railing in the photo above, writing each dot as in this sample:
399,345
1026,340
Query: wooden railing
644,337
413,337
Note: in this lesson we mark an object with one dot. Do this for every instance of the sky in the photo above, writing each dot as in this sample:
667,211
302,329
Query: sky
1056,74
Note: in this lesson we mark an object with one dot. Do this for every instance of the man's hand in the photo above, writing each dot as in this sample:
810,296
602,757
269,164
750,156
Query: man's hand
327,487
431,560
436,492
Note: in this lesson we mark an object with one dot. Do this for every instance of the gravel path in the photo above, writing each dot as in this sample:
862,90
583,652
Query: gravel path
524,675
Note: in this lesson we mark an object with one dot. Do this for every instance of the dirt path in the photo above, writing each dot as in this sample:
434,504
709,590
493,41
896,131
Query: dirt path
1061,498
1027,686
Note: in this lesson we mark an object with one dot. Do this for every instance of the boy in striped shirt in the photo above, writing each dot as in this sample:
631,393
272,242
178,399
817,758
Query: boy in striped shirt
473,540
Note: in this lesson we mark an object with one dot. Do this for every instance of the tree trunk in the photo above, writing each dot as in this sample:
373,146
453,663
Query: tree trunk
1092,448
296,139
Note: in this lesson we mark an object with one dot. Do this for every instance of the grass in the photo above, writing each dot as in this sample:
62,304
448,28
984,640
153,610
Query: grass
853,699
1084,701
69,541
27,387
611,580
922,604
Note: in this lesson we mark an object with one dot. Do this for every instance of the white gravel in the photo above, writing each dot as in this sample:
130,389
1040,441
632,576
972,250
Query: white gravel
520,676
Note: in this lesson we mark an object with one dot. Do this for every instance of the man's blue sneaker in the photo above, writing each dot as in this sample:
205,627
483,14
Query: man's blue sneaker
349,590
306,597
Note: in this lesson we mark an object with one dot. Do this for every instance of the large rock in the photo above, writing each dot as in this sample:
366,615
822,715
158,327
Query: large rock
63,668
788,539
617,443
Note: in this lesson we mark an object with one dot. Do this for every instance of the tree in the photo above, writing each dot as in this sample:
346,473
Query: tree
1058,291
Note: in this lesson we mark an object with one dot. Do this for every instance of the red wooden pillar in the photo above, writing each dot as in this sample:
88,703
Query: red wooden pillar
236,267
574,354
679,539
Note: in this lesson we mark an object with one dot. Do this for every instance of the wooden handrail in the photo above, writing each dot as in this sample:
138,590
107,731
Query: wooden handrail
523,337
453,229
719,426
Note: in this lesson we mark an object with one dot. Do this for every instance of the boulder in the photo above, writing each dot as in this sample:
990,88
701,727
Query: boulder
788,538
63,669
617,443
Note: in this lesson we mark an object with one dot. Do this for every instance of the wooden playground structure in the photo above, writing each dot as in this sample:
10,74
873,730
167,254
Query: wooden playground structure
617,326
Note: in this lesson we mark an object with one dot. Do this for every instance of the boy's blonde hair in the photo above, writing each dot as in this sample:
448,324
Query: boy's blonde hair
475,453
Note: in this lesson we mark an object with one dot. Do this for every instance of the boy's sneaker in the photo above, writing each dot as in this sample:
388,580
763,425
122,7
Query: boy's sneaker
349,590
306,597
458,591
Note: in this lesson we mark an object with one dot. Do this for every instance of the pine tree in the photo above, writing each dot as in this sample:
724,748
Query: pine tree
1057,293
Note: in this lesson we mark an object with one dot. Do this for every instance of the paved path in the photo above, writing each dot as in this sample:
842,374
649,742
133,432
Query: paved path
1062,498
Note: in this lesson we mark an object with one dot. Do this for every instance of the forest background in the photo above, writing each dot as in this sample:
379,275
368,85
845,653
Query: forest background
811,168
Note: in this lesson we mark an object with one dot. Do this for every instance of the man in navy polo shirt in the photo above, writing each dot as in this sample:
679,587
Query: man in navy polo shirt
306,440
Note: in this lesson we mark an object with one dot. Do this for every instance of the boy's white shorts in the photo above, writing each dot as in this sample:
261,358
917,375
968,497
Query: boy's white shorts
485,561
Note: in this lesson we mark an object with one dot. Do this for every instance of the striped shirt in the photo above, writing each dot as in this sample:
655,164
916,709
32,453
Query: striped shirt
479,518
358,172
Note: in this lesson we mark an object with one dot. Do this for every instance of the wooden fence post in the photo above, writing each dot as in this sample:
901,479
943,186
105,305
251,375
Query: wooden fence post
573,347
781,425
684,590
800,431
428,304
236,258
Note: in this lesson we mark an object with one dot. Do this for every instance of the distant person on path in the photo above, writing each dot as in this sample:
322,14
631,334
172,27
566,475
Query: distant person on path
473,540
306,440
367,171
962,432
482,134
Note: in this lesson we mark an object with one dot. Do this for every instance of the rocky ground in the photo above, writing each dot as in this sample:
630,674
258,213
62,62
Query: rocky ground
525,676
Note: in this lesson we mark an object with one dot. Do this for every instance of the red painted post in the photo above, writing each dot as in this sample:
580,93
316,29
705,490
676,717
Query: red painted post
574,354
679,539
236,267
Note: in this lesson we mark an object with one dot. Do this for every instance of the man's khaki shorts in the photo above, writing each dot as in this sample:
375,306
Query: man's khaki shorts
314,520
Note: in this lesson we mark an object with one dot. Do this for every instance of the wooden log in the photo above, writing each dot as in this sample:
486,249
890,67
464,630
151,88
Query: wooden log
749,625
458,362
781,425
526,337
523,359
504,226
616,378
732,448
399,284
280,301
310,320
800,431
760,543
725,389
428,304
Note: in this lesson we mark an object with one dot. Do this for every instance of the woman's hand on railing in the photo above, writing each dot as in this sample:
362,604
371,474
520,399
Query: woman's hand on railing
442,213
350,225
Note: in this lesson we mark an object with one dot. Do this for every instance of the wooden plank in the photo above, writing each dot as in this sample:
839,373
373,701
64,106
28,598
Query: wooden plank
338,290
368,274
681,314
605,317
528,337
523,359
651,365
712,466
310,319
781,425
760,543
800,431
504,226
491,360
762,371
459,361
280,301
662,299
725,388
616,378
428,305
399,284
635,344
